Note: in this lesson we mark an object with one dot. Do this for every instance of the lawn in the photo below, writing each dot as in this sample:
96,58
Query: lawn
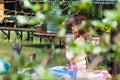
28,47
57,55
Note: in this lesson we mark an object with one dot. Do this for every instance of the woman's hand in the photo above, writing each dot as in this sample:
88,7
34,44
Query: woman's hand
67,67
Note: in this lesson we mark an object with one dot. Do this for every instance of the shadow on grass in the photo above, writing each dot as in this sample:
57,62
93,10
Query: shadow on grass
42,45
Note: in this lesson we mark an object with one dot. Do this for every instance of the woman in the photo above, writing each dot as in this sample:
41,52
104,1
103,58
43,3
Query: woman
77,67
77,62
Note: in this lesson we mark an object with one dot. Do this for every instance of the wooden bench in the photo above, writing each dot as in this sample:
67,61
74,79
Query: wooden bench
18,31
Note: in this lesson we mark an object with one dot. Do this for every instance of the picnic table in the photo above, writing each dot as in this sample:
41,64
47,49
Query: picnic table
51,38
19,32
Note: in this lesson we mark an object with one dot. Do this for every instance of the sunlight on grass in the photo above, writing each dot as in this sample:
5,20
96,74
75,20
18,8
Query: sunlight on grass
118,76
29,47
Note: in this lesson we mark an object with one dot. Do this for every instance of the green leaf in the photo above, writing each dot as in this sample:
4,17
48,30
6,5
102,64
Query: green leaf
36,7
96,50
89,47
82,25
27,4
62,32
45,7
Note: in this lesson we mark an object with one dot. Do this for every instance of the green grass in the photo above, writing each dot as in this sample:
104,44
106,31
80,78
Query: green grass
28,48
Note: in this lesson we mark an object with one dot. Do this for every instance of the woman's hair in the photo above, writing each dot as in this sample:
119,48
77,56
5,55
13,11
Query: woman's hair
78,20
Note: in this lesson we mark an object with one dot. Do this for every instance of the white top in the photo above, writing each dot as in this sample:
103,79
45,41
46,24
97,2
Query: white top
80,62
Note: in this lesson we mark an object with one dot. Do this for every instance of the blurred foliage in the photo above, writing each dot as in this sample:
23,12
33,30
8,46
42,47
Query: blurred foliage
82,4
51,12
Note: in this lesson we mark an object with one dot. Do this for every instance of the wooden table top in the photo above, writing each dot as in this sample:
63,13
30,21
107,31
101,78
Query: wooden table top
51,34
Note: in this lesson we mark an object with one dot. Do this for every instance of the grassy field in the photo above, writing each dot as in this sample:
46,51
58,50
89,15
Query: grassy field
28,48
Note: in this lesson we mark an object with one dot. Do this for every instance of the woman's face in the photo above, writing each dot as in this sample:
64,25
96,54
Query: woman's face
75,30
